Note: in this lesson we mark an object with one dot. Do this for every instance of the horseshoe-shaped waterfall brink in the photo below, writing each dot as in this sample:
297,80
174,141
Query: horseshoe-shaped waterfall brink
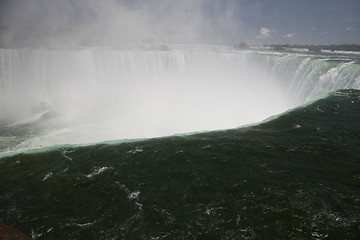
180,142
54,97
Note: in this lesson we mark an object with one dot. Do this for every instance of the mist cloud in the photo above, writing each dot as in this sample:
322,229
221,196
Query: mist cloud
43,23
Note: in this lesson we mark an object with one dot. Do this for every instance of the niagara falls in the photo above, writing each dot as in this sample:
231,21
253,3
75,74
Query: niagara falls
202,119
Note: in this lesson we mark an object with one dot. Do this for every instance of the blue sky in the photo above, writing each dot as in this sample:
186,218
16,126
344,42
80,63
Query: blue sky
73,22
303,21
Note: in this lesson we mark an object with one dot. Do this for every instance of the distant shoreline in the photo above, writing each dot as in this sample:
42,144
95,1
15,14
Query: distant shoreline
316,48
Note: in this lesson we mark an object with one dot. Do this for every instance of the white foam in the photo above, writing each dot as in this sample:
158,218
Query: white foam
98,171
47,176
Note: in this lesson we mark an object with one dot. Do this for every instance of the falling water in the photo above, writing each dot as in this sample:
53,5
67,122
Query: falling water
91,95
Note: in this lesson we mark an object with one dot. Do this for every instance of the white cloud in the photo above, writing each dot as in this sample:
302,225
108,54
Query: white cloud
324,33
350,28
289,35
265,32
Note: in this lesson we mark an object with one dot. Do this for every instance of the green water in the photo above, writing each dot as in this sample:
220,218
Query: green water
294,177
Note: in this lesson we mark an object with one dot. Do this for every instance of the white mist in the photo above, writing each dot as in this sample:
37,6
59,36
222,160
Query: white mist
104,94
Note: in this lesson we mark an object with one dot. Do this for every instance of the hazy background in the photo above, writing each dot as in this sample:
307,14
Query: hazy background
67,23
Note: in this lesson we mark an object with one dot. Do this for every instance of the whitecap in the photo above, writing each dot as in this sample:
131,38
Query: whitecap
49,175
134,195
136,150
97,171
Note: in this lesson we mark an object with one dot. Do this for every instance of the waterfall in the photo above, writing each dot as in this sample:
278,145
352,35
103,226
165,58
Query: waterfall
306,77
103,94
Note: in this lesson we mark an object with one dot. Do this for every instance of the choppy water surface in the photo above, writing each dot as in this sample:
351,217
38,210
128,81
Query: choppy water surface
295,177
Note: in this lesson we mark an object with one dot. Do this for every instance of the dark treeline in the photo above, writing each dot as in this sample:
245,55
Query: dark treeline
318,48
